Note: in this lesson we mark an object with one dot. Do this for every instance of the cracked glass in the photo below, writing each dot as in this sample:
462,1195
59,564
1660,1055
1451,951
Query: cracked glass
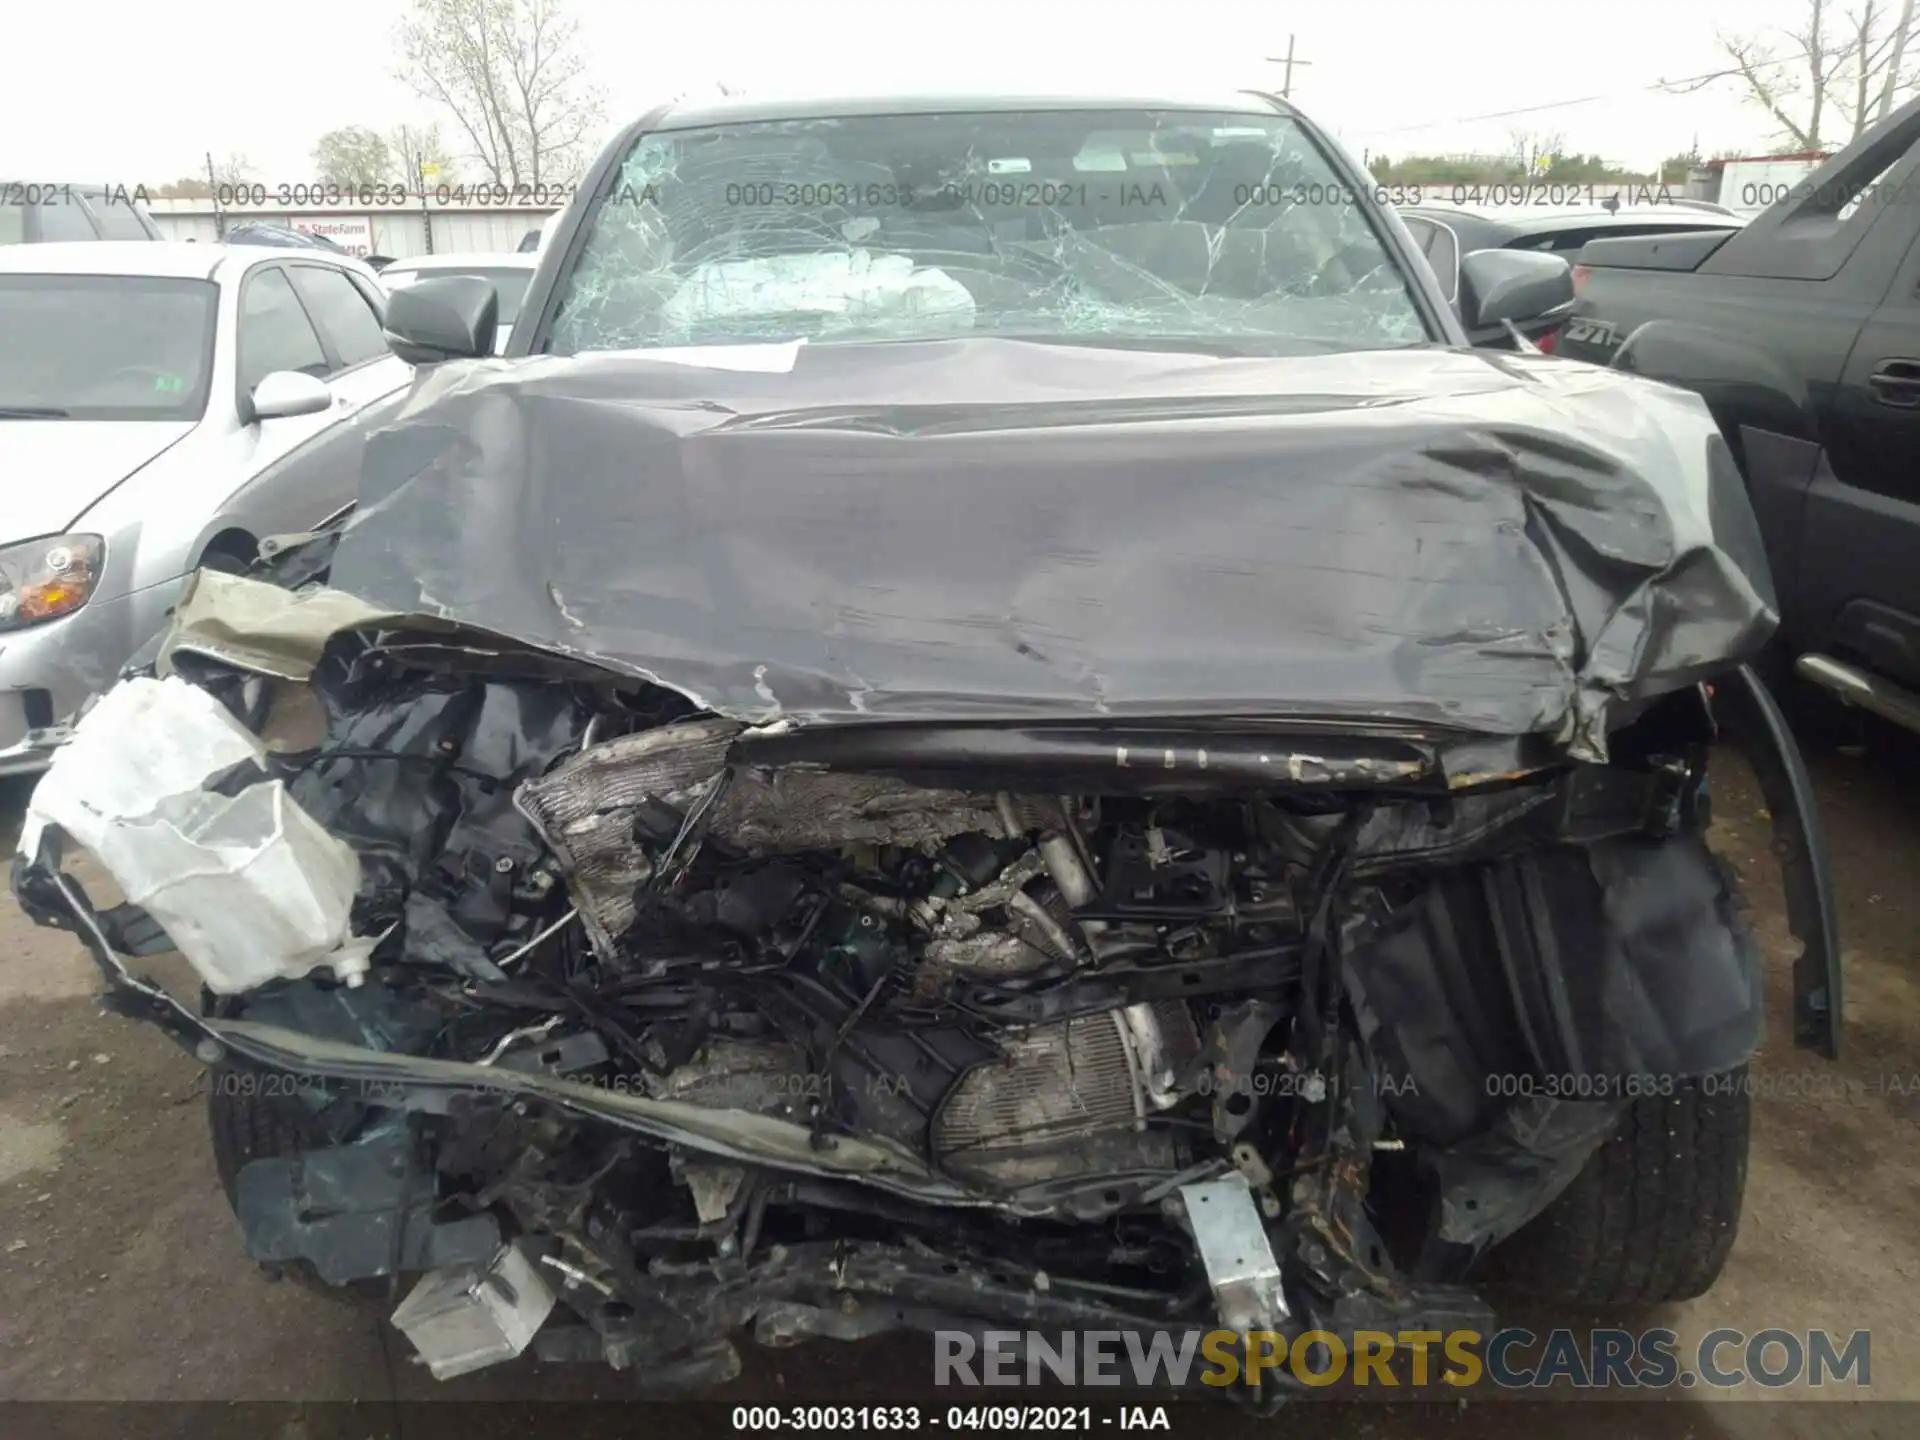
1129,226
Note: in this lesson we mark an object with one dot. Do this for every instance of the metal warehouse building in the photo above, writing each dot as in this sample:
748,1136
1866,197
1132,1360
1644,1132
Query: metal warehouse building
423,226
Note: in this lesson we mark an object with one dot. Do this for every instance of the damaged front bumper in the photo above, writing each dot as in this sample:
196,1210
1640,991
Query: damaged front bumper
637,1027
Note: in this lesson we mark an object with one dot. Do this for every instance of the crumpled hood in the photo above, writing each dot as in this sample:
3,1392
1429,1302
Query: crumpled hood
56,469
994,529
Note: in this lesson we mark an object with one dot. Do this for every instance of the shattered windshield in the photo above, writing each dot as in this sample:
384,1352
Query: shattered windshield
1083,225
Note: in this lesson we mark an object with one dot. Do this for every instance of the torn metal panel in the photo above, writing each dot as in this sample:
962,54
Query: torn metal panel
988,528
257,626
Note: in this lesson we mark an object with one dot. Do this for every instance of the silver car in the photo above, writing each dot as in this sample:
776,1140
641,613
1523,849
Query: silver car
510,275
152,398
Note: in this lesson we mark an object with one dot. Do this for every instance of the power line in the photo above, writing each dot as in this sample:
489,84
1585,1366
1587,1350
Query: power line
1668,85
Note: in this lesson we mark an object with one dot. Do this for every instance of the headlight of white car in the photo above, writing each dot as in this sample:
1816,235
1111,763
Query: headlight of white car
45,579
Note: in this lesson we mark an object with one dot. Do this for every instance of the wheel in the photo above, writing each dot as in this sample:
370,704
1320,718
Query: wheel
246,1126
1652,1216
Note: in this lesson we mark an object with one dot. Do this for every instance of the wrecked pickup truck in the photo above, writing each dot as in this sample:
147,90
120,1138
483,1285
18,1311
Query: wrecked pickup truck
949,831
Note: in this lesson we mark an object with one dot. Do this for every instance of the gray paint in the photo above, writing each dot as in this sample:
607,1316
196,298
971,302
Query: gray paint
986,528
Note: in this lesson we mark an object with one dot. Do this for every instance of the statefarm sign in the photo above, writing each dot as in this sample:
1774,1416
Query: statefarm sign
353,233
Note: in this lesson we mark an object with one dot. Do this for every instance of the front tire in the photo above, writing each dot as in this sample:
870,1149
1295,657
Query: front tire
1652,1216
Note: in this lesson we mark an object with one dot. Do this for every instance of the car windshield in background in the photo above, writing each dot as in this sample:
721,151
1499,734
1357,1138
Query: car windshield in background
1068,225
43,213
105,347
510,284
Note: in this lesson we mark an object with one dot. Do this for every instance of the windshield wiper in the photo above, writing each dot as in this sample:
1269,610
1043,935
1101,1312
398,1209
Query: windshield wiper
31,412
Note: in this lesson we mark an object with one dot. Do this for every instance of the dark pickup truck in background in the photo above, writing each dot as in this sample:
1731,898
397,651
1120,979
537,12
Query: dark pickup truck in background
1448,232
1801,330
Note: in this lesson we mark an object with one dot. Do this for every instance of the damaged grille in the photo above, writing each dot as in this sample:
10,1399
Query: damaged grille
593,810
585,811
1057,1081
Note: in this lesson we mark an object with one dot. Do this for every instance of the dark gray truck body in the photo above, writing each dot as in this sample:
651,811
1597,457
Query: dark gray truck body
1802,332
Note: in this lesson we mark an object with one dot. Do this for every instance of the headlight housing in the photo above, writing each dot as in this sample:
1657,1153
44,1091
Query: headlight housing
44,579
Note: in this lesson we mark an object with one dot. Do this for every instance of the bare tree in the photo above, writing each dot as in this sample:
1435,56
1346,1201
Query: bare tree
1678,168
416,148
1828,80
235,169
1902,29
352,157
513,76
1533,151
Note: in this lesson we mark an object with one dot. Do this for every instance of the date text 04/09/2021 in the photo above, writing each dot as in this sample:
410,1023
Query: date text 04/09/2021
1554,193
955,1419
272,1084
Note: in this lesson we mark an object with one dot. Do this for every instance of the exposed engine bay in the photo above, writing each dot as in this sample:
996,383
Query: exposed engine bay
675,1026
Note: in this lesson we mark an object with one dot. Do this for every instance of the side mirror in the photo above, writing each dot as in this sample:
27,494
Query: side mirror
451,318
288,392
1516,285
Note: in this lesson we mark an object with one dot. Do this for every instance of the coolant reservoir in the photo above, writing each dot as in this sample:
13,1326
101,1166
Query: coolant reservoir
249,886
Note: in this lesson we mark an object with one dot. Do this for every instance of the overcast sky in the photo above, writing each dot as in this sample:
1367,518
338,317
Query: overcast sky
105,91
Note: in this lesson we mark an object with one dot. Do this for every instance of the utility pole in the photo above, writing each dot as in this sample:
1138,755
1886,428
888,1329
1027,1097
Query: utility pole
426,216
1286,81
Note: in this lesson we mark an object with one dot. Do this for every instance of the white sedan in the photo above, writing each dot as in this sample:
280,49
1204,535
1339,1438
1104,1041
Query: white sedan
152,396
510,275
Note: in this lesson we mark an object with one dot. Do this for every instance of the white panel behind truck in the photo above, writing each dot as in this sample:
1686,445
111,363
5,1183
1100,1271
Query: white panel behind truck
1749,186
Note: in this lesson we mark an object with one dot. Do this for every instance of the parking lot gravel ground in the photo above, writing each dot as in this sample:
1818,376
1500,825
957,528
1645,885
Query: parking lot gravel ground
122,1277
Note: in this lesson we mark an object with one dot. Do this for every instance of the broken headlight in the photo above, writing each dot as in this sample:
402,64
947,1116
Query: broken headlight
45,579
